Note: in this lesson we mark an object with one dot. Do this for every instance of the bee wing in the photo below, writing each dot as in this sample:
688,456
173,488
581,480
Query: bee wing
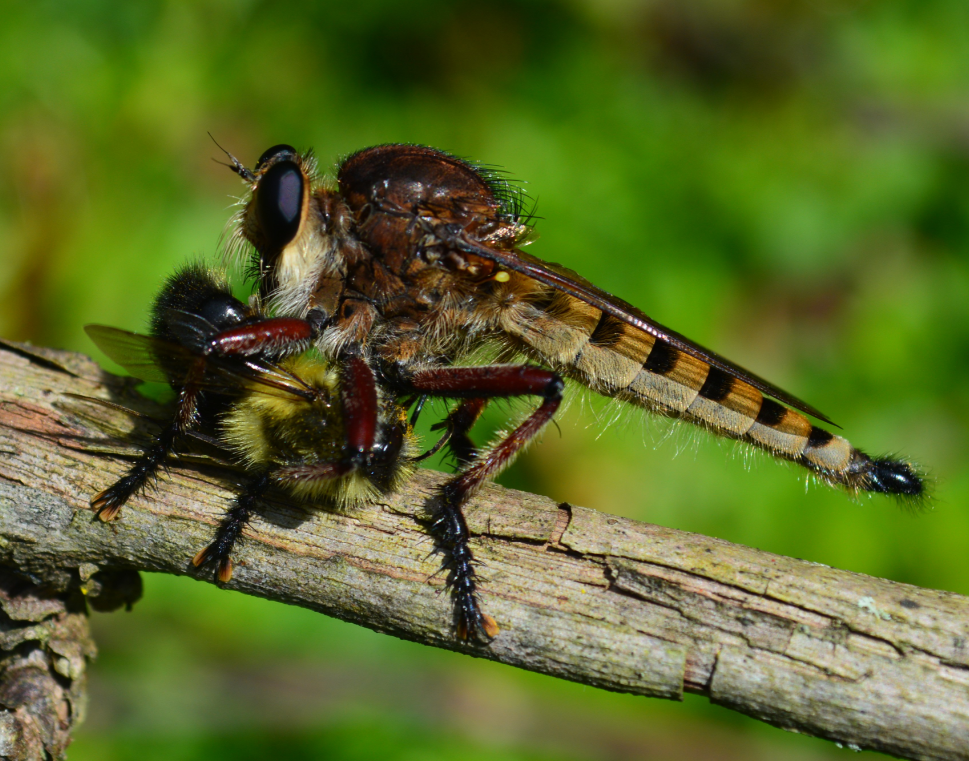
136,353
569,282
96,400
140,355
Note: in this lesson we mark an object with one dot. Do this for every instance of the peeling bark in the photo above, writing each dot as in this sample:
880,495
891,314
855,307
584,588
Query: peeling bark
579,594
44,648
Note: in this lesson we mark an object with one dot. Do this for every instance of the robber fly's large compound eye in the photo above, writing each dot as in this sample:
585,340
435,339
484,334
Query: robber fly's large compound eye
277,152
279,203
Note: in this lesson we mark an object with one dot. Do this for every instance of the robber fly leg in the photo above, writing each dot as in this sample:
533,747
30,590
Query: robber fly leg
449,525
272,336
107,504
236,519
458,424
358,398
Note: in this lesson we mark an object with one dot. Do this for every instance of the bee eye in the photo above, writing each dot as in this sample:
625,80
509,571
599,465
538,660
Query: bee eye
281,151
223,311
279,202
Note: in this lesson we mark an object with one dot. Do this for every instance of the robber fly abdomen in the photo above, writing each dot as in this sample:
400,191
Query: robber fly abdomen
619,360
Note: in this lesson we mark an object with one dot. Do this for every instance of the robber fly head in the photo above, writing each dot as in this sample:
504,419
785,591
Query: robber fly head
307,235
287,232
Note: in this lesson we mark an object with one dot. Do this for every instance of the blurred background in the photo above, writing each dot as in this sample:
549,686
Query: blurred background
786,182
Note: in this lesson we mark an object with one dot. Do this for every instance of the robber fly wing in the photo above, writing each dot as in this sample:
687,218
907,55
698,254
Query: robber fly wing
566,281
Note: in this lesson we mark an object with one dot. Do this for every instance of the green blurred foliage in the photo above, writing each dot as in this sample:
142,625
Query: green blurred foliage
786,182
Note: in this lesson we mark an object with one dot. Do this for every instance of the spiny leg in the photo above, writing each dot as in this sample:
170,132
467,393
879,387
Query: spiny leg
187,313
236,519
107,503
449,526
450,530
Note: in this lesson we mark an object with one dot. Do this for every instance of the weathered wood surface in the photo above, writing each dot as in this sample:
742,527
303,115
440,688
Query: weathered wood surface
578,594
45,645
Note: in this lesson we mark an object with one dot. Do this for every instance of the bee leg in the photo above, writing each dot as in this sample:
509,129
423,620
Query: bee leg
107,503
449,526
358,399
235,520
417,402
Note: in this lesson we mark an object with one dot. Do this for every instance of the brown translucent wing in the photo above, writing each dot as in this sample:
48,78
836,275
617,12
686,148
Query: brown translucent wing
579,288
142,356
134,352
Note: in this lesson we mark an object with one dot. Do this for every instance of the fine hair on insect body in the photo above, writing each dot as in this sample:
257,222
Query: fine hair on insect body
308,425
283,419
414,257
413,260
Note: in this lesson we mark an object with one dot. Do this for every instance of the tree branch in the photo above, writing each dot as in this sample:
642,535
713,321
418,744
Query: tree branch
579,594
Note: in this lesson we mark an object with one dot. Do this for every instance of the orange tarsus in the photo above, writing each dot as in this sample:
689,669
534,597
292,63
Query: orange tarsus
225,570
105,510
490,626
201,556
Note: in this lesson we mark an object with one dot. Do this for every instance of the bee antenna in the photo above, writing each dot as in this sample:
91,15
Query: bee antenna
236,166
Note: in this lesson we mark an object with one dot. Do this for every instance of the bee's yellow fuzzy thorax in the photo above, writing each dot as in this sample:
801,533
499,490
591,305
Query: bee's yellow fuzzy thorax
269,429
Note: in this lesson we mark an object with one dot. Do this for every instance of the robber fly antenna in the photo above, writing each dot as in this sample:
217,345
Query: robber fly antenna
236,166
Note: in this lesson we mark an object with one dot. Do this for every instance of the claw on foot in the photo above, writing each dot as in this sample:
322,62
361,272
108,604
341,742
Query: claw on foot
201,556
224,572
105,507
485,629
490,626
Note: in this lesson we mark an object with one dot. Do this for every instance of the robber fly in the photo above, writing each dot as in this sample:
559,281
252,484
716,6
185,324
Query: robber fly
307,425
413,256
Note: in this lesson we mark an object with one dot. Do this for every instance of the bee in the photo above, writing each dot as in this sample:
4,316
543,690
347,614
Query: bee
414,257
313,427
294,422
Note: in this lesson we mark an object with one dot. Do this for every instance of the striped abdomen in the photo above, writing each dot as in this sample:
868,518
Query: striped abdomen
616,359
